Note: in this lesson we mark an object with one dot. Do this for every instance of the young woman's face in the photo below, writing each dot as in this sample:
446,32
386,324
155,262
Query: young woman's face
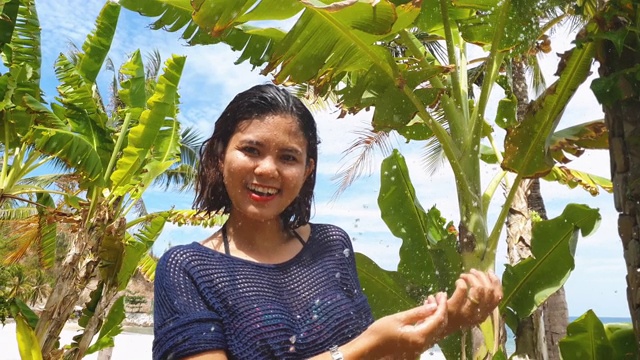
265,166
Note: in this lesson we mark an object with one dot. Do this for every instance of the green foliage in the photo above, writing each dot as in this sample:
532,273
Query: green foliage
28,345
530,282
526,144
111,327
587,339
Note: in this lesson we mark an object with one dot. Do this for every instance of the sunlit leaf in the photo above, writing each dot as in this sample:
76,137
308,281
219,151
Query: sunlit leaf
429,260
530,282
28,344
138,244
586,340
526,144
141,138
576,139
572,178
111,328
98,42
386,290
133,83
623,340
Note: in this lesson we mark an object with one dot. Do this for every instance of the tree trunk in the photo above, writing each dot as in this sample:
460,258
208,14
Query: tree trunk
537,336
621,111
75,272
530,339
74,275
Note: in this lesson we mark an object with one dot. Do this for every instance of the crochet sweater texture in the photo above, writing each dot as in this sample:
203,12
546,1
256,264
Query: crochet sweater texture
206,300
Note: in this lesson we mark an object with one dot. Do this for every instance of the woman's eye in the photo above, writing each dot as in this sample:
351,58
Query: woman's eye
249,150
289,158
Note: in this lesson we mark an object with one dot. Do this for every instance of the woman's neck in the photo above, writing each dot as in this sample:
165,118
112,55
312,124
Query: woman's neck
253,235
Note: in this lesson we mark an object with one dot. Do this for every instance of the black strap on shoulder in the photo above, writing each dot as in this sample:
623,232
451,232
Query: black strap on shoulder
225,240
295,233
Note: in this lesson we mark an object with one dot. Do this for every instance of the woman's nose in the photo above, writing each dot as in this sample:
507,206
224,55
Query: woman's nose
266,167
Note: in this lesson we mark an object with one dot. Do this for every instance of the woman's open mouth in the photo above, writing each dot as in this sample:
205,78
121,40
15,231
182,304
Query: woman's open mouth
262,193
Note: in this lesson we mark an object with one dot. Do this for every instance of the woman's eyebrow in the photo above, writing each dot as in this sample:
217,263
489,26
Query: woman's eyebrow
293,150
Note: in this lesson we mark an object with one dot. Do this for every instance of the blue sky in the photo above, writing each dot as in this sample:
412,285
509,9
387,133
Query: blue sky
211,79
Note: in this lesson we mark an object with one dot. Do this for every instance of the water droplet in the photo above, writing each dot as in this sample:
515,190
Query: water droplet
293,339
213,328
338,275
346,252
292,348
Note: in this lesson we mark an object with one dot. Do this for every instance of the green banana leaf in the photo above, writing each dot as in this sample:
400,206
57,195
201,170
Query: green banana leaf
98,43
428,256
386,290
523,26
529,283
147,267
576,139
138,244
9,14
111,328
28,344
586,340
132,92
68,146
429,260
142,137
25,48
46,241
623,341
572,178
526,144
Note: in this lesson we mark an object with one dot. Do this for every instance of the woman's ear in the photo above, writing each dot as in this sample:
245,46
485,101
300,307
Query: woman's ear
310,166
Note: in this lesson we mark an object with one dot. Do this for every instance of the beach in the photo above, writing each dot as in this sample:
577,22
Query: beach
132,343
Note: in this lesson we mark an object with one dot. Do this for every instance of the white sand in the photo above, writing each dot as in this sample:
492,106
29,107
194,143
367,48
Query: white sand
128,345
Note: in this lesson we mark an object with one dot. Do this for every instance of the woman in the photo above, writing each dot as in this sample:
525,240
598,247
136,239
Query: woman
270,285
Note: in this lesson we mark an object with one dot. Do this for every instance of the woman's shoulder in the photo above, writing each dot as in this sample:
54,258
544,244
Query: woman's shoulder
181,257
329,233
328,230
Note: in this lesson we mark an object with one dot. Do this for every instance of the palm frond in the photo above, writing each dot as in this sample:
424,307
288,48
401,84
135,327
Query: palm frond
45,181
153,65
26,48
16,213
433,155
182,174
536,76
25,236
307,94
364,146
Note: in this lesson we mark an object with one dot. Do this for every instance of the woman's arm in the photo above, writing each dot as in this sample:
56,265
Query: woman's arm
407,334
400,336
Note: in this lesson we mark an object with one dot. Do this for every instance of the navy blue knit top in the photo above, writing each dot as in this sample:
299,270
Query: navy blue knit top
206,300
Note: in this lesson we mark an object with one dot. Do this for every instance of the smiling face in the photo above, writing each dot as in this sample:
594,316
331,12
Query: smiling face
264,166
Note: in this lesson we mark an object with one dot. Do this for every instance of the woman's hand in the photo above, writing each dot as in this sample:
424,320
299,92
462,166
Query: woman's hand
476,295
407,334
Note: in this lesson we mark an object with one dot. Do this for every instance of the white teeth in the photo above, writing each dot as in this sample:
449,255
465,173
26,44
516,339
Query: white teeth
263,190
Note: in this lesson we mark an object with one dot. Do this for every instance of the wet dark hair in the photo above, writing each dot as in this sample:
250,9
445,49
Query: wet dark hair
257,102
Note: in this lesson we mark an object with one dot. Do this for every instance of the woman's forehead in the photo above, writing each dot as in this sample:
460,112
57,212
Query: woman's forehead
271,124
